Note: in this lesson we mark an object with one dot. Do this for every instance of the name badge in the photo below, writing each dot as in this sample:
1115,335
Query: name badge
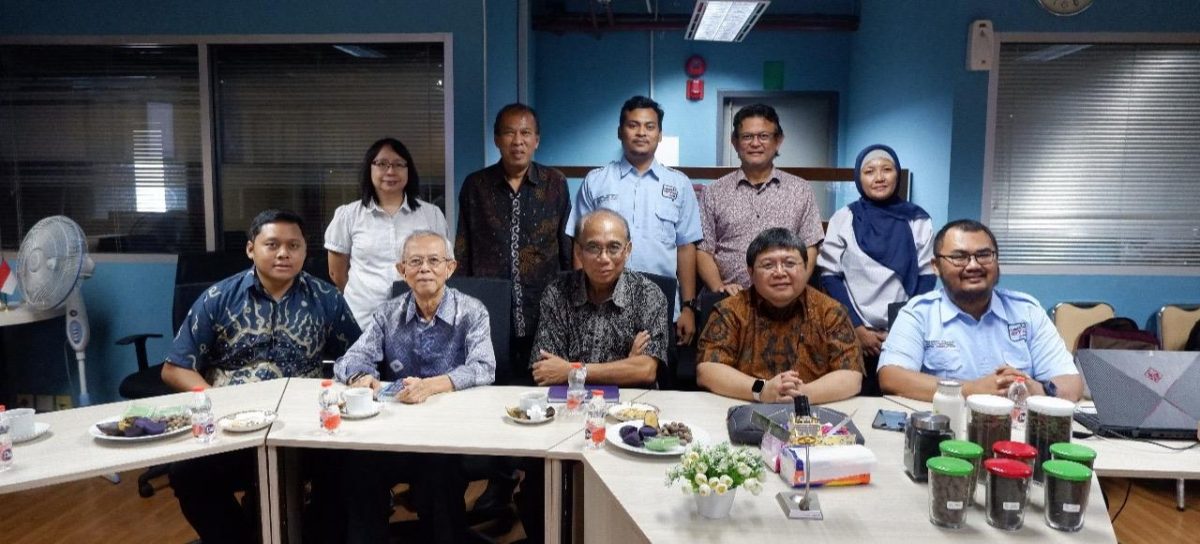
940,345
1018,332
669,191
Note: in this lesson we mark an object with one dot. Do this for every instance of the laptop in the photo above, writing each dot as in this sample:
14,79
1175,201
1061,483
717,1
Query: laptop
1142,394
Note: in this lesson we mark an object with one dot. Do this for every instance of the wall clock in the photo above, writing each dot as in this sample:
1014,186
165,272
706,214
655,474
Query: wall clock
1065,7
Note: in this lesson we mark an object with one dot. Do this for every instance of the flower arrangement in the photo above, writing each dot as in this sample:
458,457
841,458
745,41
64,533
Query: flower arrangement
708,470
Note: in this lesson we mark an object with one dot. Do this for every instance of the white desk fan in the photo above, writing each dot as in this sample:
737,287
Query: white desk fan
52,263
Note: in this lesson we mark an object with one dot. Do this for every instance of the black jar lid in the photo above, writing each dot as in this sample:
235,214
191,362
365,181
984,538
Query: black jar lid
929,421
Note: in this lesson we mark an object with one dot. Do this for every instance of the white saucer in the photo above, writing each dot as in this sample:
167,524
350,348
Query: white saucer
374,412
39,429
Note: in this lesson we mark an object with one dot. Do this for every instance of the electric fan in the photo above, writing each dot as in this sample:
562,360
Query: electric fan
52,263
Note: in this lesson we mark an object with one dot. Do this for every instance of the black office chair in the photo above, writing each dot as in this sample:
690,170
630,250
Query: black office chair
193,274
685,372
496,296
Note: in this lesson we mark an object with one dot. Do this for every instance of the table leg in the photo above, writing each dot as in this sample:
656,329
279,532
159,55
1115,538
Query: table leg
553,493
1180,496
268,464
265,494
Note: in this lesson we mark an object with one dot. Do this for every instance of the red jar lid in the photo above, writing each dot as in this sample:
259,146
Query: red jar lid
1008,468
1014,450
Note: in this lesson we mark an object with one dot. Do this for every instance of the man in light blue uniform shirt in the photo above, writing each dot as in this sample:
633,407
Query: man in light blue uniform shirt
972,332
658,202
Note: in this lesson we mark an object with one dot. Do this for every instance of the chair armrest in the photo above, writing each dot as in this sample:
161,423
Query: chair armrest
139,347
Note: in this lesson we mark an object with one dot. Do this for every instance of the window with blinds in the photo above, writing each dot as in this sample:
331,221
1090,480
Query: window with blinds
293,123
106,135
1096,154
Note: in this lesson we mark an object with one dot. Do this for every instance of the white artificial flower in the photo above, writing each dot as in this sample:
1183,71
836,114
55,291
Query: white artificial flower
693,456
701,468
712,482
701,479
725,479
687,489
762,475
704,490
754,487
743,469
721,488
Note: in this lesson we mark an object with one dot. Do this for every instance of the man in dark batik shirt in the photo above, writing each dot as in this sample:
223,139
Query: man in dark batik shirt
511,220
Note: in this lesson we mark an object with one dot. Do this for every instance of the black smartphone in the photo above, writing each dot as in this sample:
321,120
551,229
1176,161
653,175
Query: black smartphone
890,420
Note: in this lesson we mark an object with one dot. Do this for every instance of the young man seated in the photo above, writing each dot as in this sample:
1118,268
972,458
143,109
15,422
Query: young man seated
779,339
611,319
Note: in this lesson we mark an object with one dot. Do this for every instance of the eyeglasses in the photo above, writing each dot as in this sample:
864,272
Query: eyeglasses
418,262
385,165
984,258
788,265
764,137
613,250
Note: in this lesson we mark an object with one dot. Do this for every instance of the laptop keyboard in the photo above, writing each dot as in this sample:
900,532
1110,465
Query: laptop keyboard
1088,419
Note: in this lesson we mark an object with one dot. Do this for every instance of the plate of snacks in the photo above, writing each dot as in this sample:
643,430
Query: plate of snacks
532,416
658,438
140,423
629,411
246,421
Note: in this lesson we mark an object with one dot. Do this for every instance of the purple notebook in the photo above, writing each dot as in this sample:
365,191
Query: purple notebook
612,393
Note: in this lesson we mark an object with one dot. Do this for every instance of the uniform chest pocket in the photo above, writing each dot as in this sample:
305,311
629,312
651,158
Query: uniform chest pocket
943,361
668,222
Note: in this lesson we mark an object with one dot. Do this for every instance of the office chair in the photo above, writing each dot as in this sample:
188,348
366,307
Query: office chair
193,274
1071,318
1174,323
685,372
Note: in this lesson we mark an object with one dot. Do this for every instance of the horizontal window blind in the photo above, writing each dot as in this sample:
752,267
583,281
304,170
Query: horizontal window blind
293,123
1097,149
106,135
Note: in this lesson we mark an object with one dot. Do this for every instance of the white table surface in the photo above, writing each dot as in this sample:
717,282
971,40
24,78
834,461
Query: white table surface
19,313
626,499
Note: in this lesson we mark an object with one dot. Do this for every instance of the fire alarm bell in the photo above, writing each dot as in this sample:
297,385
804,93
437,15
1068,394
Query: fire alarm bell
695,89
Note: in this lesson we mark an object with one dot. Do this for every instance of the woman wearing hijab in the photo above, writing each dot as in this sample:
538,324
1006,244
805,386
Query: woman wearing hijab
878,251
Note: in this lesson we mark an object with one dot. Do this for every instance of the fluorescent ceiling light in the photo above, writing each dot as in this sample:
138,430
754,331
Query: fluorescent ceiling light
724,20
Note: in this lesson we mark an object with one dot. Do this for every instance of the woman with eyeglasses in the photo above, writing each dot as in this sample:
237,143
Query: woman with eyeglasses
878,251
365,236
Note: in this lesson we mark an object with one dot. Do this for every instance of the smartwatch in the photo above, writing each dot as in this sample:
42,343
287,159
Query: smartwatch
1051,389
757,389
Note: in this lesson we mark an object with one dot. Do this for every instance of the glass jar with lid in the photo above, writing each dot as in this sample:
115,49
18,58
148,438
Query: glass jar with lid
922,434
1067,486
1049,423
1007,493
950,480
991,421
1073,452
969,452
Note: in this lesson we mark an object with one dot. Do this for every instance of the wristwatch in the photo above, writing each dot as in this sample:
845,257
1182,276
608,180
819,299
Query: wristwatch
693,303
1051,389
757,389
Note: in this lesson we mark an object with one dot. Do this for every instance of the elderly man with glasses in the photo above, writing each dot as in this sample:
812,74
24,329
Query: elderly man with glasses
434,339
971,331
611,319
779,339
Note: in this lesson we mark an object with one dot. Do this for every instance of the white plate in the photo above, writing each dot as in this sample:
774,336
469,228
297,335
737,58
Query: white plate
612,433
374,412
97,433
39,429
615,410
530,421
246,421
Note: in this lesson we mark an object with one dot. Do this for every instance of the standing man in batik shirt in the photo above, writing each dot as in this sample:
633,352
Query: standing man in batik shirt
757,196
511,221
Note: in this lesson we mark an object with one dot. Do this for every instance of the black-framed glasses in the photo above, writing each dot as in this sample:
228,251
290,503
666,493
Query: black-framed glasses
418,262
764,137
960,259
613,249
385,165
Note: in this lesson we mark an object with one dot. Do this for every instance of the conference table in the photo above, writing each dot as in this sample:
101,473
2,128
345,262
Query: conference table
624,497
68,451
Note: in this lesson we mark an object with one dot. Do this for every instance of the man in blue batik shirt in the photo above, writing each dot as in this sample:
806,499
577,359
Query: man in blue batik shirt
435,340
271,321
973,332
658,203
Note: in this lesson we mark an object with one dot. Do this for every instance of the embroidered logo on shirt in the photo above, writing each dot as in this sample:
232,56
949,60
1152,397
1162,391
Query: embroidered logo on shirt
1017,332
940,344
669,191
600,200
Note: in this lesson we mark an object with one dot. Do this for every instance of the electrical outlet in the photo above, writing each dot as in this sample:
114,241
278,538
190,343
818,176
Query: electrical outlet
45,403
62,402
24,400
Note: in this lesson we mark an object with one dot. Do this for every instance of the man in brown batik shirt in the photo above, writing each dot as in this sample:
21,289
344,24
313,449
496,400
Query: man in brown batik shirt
511,222
779,339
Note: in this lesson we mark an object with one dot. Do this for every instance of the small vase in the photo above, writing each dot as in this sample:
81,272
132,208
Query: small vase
715,506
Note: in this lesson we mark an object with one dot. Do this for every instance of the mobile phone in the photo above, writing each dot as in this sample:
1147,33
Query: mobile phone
890,420
389,391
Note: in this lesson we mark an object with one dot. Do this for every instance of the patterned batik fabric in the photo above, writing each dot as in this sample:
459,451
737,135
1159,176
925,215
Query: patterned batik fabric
812,336
237,333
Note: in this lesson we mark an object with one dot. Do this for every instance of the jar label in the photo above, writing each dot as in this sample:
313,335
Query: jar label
1011,506
954,505
1071,508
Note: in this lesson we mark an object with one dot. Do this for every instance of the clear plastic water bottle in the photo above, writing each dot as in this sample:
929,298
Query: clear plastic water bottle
204,428
1018,392
6,447
593,430
331,413
576,392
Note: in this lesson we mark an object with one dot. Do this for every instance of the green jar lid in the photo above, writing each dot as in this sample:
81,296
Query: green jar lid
1067,470
961,449
950,466
1073,452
